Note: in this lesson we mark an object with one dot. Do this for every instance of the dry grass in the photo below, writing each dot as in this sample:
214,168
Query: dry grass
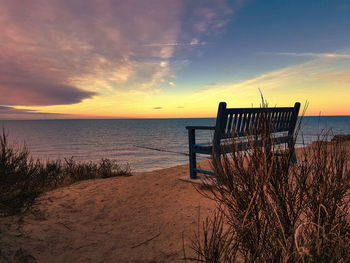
22,179
270,209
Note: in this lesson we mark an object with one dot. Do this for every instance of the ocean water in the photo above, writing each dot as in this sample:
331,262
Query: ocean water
146,144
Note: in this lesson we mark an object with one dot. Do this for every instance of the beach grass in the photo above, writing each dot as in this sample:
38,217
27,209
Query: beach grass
23,178
270,209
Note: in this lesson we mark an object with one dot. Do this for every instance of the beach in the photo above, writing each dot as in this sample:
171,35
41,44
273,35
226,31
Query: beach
107,107
148,217
141,218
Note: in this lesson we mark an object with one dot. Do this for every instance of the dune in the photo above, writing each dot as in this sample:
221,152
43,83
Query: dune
141,218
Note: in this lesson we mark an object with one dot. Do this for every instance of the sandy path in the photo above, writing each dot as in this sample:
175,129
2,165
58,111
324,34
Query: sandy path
107,220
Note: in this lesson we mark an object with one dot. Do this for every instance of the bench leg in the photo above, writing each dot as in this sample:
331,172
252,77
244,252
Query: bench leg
295,160
192,154
193,173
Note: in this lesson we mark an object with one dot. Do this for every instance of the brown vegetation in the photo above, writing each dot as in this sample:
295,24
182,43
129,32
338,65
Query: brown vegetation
270,209
22,179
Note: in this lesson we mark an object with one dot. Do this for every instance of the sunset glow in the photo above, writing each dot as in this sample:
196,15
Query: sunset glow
171,58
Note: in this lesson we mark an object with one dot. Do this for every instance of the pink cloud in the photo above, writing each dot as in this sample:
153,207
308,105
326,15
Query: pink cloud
50,51
211,15
13,113
31,84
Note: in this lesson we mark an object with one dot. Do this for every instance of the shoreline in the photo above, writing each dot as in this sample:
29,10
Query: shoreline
124,142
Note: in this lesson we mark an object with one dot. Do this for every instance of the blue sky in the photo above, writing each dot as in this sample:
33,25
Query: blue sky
260,31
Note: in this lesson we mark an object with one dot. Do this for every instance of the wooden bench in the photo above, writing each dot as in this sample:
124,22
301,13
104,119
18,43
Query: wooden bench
233,123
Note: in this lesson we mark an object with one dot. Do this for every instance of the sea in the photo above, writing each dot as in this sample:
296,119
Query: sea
143,144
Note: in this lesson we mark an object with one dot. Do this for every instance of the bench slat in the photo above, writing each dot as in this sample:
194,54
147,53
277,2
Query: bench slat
248,123
257,110
204,171
239,122
229,124
278,120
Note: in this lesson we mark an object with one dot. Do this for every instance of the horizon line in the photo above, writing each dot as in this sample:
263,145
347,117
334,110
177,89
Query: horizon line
145,118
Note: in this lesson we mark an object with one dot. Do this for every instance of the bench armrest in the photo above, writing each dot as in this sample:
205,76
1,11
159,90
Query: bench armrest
200,127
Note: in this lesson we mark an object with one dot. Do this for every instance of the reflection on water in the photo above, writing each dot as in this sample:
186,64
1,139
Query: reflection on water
129,141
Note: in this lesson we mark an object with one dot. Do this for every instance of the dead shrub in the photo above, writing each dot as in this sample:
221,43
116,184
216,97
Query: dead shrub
270,209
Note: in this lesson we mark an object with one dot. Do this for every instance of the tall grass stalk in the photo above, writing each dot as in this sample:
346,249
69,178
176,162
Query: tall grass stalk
270,209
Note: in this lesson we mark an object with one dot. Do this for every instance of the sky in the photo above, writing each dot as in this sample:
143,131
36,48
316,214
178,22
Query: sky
171,58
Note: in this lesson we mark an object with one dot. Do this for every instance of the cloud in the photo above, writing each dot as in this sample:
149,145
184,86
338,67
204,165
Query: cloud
194,42
21,84
328,78
157,108
64,52
13,113
313,55
209,17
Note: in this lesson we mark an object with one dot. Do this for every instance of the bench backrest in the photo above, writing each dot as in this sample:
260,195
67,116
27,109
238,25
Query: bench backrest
237,122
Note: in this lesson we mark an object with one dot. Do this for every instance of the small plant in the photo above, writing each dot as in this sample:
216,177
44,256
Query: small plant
22,179
110,168
76,171
270,209
19,177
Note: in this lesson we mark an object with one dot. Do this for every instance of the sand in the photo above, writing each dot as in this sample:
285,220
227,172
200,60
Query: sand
141,218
